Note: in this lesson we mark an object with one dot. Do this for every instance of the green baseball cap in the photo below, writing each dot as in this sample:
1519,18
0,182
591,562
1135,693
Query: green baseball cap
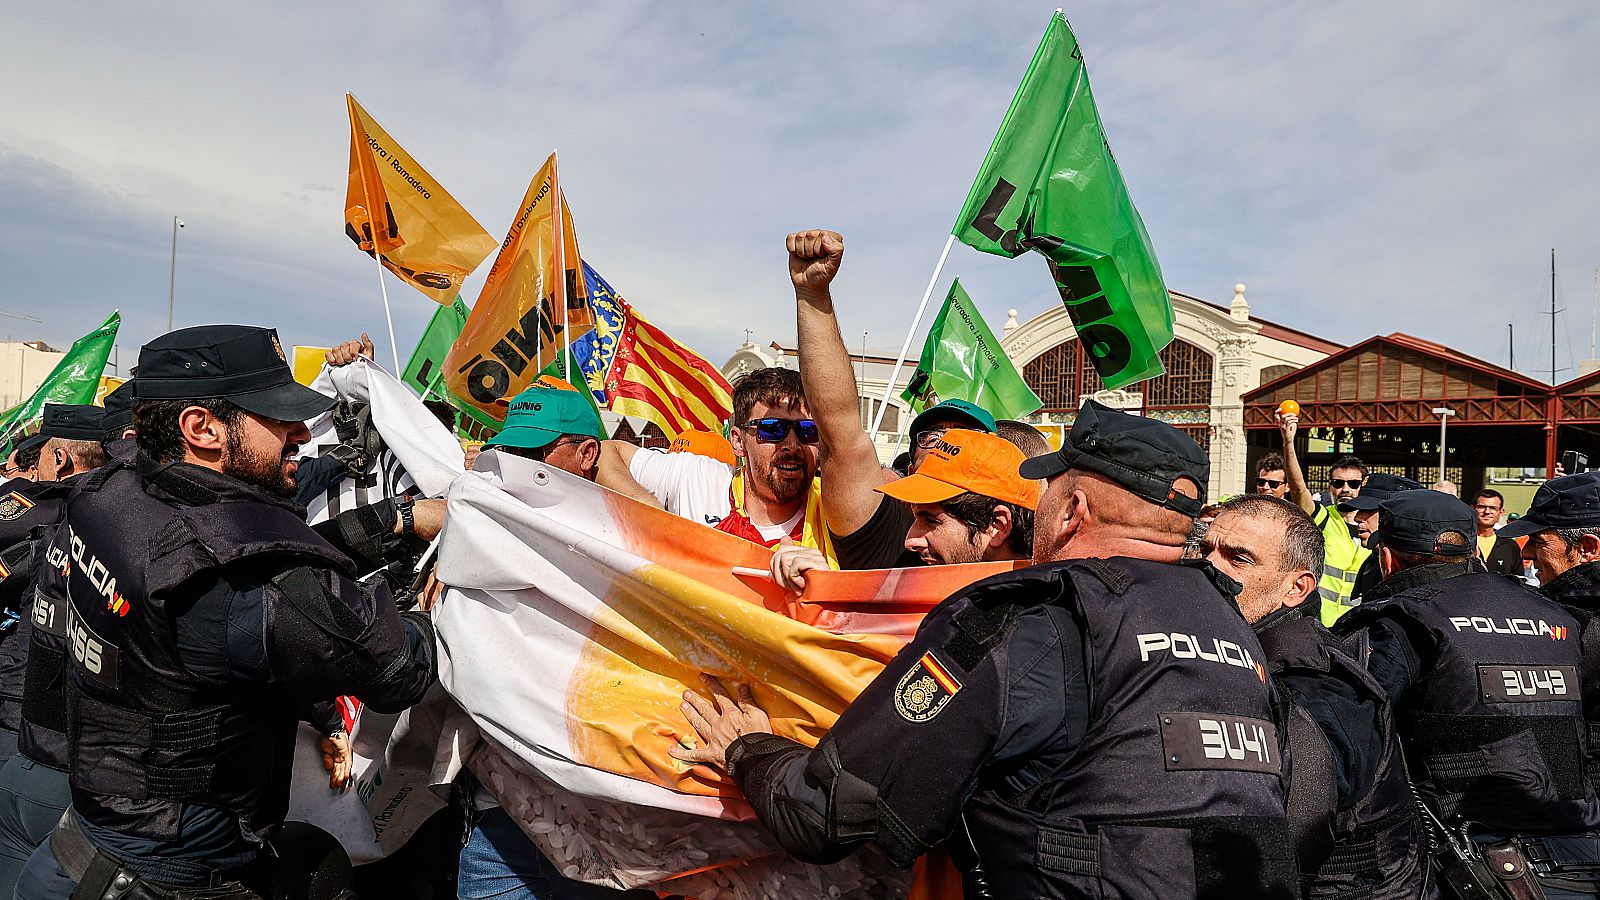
975,416
540,415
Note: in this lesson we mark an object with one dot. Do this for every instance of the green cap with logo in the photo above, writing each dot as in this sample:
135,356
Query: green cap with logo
540,415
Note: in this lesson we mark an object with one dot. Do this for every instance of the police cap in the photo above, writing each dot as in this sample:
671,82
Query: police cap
1571,501
119,408
73,421
1143,455
243,364
1414,521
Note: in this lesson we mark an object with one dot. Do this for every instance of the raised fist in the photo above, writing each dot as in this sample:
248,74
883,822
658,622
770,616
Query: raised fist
814,258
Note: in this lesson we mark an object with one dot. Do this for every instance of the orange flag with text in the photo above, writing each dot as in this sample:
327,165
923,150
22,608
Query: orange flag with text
395,208
526,311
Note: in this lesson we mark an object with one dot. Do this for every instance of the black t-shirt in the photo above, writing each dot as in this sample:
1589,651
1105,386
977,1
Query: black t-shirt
881,543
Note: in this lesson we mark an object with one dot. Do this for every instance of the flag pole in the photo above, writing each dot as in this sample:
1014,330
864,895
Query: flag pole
559,251
388,317
911,333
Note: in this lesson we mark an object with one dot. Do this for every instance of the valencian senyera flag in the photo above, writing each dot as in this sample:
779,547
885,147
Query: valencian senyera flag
75,379
532,302
644,372
961,360
1050,184
395,208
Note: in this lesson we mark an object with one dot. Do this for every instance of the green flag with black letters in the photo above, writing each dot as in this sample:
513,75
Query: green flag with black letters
1050,184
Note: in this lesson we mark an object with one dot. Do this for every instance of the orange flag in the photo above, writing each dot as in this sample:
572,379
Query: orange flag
394,207
525,313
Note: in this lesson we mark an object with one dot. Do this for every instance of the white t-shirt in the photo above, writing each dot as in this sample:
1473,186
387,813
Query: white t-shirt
695,487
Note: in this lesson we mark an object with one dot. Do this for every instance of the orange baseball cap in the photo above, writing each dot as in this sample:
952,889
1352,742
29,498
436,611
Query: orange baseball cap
964,460
704,443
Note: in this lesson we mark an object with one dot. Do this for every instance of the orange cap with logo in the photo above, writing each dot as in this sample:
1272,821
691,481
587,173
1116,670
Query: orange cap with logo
964,460
704,443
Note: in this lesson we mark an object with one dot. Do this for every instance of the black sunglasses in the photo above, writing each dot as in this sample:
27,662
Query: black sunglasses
1344,482
1268,483
771,431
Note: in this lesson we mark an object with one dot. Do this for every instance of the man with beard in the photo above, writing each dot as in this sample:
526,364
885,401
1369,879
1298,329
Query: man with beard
1049,725
1273,550
1344,552
772,495
204,617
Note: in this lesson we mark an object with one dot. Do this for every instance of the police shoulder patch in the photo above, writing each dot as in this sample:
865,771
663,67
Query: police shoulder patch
13,506
925,689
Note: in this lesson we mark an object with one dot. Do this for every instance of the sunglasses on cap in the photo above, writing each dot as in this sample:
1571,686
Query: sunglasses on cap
1345,482
771,431
1268,483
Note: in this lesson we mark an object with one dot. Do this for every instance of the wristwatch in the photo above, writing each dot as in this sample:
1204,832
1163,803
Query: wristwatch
408,521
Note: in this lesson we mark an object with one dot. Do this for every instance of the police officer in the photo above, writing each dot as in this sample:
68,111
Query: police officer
203,615
1274,550
1379,487
1097,725
1485,676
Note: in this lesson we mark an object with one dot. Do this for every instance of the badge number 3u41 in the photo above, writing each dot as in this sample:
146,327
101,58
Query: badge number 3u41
924,690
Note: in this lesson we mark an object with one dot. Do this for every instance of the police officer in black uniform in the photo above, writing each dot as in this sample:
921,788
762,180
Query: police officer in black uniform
1272,548
1485,676
203,617
1097,725
28,795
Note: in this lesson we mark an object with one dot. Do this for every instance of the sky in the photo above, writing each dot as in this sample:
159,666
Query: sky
1364,167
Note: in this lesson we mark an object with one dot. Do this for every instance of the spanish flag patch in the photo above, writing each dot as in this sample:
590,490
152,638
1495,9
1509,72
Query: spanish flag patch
925,689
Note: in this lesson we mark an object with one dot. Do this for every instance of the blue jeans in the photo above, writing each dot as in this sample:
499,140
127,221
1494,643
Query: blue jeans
500,862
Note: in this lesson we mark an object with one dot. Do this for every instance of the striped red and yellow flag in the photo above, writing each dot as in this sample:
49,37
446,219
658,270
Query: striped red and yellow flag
656,378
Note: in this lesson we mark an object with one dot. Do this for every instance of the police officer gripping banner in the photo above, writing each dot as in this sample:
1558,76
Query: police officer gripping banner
1485,676
1097,725
203,617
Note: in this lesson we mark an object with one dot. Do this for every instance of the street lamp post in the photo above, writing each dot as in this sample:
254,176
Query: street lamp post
1444,413
172,270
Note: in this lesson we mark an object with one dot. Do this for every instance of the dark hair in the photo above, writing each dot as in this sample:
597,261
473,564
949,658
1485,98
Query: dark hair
1348,462
156,422
1405,559
28,458
1303,547
1271,462
1491,492
976,512
1023,436
442,411
772,386
902,463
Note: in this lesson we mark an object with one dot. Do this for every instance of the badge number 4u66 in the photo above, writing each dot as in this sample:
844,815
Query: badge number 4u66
924,690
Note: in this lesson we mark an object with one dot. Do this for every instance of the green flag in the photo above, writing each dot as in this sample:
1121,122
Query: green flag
1049,183
962,360
74,379
424,373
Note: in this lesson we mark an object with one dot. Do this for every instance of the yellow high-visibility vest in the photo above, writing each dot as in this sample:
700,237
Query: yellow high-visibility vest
1341,561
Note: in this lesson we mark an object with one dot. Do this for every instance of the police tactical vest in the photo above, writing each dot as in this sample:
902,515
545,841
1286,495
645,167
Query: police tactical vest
147,735
27,509
1493,726
1376,850
43,735
1177,789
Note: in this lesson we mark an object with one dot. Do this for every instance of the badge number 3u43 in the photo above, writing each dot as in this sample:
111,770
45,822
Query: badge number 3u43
925,690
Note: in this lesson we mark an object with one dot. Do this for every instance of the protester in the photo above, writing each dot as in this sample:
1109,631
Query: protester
771,496
24,460
1485,676
981,732
1272,548
182,733
1270,477
1344,553
1023,436
562,430
32,794
1499,554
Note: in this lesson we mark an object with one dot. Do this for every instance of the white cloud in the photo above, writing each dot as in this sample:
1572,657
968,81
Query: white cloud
1365,167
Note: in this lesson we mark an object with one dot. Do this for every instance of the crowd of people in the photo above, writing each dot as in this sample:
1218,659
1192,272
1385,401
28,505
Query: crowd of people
1280,695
